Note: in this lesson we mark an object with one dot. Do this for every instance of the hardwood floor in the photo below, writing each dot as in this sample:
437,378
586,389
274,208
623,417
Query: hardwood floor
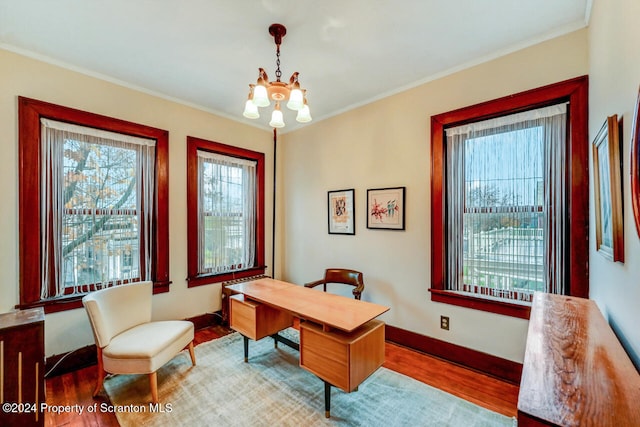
483,390
75,388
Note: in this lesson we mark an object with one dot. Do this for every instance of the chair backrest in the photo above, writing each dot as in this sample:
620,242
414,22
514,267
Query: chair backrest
341,275
347,277
116,309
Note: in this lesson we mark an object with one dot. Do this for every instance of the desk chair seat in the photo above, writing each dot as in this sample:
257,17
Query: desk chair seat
128,342
341,275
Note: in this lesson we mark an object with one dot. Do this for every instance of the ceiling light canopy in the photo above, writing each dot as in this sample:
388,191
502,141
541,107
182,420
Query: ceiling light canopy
263,92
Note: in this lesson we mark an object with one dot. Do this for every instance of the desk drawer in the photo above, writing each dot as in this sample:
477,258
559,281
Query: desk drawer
255,320
342,359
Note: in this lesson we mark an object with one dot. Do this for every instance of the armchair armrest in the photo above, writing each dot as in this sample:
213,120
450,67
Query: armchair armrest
314,283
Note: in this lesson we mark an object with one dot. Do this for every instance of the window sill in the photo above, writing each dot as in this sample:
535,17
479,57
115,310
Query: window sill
75,301
55,305
506,308
208,279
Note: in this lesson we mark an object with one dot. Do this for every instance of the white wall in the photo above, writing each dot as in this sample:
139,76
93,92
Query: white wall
387,144
614,63
22,76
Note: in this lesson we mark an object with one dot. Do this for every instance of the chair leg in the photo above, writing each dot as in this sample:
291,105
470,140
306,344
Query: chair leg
153,383
192,354
100,373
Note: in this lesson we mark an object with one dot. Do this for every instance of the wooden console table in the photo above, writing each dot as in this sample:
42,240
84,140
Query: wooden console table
22,367
575,372
340,340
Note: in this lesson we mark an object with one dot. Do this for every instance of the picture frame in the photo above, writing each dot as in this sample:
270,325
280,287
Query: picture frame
635,164
341,211
608,191
386,208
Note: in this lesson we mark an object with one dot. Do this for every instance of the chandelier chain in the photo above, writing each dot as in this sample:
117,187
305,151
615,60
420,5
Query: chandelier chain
278,72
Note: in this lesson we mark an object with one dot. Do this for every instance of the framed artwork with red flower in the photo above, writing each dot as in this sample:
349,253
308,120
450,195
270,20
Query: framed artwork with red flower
385,208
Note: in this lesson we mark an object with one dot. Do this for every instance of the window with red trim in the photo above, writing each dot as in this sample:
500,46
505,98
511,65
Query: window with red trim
93,204
225,219
487,221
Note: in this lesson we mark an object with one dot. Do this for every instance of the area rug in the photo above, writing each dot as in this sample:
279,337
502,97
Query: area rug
272,390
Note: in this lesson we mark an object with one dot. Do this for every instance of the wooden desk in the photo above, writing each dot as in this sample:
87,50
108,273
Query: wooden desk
329,310
575,372
340,342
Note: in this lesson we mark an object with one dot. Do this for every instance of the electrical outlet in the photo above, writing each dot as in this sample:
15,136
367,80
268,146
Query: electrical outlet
444,322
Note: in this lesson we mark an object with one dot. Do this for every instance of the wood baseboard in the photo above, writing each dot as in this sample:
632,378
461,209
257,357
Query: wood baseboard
86,356
497,367
71,361
205,320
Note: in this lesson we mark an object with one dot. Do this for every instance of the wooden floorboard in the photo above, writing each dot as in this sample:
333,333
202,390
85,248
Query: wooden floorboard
76,388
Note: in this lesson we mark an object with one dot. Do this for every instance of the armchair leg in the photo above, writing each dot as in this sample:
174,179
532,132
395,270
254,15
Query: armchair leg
192,354
100,373
153,383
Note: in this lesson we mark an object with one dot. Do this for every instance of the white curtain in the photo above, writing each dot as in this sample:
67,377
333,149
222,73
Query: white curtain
227,213
55,180
506,202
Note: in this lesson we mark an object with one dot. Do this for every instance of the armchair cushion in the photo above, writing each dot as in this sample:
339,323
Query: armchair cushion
145,348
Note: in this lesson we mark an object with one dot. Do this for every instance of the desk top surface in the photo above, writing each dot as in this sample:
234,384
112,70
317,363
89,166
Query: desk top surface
331,310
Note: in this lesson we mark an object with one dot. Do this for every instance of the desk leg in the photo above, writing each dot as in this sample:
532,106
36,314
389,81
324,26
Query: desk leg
277,337
327,399
246,349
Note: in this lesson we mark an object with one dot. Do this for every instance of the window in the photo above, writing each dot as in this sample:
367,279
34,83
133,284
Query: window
225,198
509,191
93,210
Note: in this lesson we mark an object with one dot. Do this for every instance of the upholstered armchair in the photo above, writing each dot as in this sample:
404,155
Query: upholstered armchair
128,342
341,275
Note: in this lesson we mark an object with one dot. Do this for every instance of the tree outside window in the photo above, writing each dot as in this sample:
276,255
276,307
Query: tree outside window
93,205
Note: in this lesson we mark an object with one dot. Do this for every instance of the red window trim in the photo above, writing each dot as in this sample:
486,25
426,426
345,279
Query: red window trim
193,145
575,91
29,113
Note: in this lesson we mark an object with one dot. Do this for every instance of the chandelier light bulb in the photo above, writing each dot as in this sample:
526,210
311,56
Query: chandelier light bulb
260,97
277,121
304,115
251,110
295,100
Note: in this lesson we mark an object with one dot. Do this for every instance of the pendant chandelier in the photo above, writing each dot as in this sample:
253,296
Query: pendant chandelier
263,92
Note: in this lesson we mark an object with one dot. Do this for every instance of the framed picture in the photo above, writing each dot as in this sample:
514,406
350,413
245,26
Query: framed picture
608,191
341,212
385,208
635,164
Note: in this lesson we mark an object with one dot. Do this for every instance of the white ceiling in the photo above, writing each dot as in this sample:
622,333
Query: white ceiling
204,53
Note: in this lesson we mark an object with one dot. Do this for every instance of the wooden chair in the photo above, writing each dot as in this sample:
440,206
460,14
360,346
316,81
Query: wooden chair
128,342
341,275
